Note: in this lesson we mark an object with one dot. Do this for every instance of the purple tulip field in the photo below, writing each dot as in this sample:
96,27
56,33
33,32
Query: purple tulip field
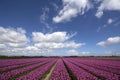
59,69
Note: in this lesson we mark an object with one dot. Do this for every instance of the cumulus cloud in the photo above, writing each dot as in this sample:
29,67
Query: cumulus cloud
13,37
109,41
54,40
99,14
71,8
53,45
16,42
73,52
50,37
113,5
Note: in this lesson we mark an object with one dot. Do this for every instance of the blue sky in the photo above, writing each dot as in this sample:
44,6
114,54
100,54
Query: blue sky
59,27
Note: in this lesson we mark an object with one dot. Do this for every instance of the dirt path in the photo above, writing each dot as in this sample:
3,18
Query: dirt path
50,72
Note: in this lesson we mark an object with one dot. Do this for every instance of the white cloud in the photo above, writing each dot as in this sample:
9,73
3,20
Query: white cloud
44,18
53,45
16,45
99,14
44,15
109,41
108,5
54,40
35,51
72,52
15,42
31,48
2,46
50,37
13,37
71,8
49,45
110,21
66,16
72,44
85,53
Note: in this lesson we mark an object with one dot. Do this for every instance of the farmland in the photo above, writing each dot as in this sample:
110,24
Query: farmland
56,68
